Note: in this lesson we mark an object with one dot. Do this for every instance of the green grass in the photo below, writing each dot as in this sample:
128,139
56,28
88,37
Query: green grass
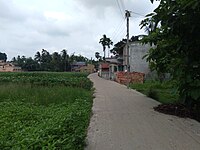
50,116
162,92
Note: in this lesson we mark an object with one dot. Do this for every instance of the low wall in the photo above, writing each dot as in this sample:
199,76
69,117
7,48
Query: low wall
129,77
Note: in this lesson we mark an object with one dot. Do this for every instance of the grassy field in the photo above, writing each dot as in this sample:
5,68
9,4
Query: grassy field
164,92
44,110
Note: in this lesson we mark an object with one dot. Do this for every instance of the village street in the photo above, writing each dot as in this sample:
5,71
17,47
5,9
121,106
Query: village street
124,119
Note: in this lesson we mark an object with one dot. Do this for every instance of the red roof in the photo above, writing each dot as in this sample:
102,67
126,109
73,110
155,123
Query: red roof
104,65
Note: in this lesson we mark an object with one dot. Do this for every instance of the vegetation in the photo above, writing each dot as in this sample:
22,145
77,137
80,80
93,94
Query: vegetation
43,111
163,92
173,28
105,41
44,61
3,56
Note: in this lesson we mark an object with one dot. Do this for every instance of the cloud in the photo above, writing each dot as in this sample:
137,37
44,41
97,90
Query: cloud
76,25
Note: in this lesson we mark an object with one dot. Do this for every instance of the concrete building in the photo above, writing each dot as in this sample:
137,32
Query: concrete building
137,51
9,67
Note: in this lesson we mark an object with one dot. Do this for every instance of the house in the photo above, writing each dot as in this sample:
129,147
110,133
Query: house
104,70
88,69
137,51
9,67
75,66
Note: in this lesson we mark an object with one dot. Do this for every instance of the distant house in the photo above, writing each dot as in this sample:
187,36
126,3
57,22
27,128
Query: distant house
88,69
75,66
82,67
9,67
104,70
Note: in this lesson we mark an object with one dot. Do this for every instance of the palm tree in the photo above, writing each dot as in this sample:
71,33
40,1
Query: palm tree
38,57
105,42
64,58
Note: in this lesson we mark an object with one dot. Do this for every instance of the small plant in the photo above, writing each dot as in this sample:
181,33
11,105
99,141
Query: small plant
44,110
152,93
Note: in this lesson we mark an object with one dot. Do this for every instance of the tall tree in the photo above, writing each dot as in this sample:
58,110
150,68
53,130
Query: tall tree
174,29
46,60
105,42
56,62
65,58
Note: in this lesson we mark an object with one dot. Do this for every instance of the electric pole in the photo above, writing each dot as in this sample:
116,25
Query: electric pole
127,15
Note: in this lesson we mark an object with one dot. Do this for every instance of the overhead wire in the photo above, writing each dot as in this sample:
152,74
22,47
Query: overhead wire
121,9
118,28
137,13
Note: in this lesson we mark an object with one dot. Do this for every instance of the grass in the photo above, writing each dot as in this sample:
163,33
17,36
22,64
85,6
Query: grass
163,92
51,116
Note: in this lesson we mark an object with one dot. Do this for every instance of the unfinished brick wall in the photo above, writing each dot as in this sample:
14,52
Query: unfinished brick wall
129,77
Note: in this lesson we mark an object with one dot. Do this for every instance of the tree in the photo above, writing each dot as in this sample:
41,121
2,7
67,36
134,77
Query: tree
65,58
174,29
46,60
97,55
118,47
105,42
56,62
38,57
3,56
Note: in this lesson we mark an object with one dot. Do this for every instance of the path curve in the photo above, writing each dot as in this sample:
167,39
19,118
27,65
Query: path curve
124,119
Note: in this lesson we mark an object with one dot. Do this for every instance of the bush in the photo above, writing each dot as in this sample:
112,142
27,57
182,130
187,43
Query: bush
152,93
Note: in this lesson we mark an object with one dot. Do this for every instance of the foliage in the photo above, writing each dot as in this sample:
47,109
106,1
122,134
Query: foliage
3,56
105,41
43,117
48,79
118,47
173,28
97,55
152,93
163,92
44,61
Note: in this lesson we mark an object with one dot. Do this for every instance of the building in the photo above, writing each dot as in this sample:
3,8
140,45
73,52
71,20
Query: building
9,67
88,69
75,66
137,51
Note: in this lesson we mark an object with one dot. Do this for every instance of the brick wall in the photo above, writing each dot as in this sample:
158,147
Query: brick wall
129,77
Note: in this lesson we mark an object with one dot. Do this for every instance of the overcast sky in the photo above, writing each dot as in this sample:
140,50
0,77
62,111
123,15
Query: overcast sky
27,26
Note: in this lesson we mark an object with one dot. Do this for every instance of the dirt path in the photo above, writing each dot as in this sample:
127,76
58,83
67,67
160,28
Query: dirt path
124,119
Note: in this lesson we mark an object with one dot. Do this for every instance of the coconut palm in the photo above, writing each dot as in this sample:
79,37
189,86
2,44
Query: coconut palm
105,42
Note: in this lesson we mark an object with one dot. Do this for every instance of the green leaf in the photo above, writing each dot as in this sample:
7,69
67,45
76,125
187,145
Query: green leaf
195,94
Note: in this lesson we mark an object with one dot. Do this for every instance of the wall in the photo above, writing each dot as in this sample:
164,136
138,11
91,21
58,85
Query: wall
136,53
129,77
8,67
89,68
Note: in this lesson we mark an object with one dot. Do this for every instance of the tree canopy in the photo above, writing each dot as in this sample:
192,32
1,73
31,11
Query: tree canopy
3,56
174,29
105,42
45,61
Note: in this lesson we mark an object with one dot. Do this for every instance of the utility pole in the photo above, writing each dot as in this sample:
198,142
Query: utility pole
127,15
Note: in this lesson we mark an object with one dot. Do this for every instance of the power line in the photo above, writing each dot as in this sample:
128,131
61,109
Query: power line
123,6
137,13
118,28
121,9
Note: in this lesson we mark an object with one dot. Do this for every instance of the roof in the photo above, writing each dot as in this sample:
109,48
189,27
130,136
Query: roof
79,63
104,65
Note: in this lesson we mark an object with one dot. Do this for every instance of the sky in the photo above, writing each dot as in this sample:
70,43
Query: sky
28,26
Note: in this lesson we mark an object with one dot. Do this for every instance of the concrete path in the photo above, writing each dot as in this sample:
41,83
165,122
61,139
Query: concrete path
124,119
